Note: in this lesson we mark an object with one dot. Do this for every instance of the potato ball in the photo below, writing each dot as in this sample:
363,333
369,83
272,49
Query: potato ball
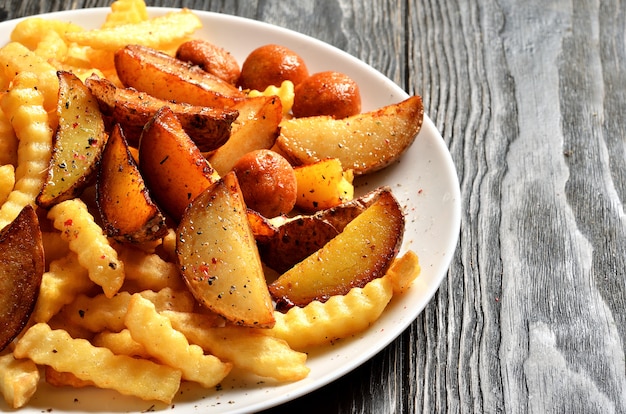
327,93
271,65
211,58
267,181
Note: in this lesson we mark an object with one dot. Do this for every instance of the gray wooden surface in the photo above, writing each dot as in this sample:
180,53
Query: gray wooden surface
531,99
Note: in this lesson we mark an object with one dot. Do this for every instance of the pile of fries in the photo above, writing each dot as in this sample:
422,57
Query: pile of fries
119,315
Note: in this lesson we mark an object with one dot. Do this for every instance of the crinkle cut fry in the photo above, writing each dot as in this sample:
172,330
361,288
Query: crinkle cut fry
170,346
23,104
16,59
87,240
339,317
139,377
18,380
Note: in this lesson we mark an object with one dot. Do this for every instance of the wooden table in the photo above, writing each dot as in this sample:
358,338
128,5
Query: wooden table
530,98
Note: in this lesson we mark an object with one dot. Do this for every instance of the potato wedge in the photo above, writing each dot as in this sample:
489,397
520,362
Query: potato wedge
78,142
364,143
281,242
208,127
174,169
289,245
363,251
21,270
255,128
323,184
165,77
128,213
219,258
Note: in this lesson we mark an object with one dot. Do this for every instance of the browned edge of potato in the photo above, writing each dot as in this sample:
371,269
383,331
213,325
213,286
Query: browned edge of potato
21,269
219,258
364,143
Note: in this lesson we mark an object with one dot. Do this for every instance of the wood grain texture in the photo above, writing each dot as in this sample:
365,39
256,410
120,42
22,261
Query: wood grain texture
530,98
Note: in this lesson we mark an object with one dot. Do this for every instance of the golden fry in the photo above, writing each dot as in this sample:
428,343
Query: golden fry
64,379
340,317
32,31
18,380
7,181
149,270
156,32
130,376
403,271
246,348
169,346
100,313
121,343
16,59
8,140
126,12
60,285
86,239
23,105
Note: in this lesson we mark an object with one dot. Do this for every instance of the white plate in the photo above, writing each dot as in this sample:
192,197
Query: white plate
424,181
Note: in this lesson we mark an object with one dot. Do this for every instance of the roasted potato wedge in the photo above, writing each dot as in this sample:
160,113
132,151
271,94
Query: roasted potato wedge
21,270
165,77
208,127
174,169
78,142
280,240
363,251
255,128
219,258
288,245
322,185
364,143
128,213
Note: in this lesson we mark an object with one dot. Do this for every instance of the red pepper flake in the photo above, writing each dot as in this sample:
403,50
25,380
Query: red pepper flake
68,222
75,125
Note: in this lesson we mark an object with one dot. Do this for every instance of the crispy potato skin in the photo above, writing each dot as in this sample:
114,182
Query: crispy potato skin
128,213
174,169
208,127
21,270
78,142
327,93
363,251
271,65
219,259
211,58
165,77
267,181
